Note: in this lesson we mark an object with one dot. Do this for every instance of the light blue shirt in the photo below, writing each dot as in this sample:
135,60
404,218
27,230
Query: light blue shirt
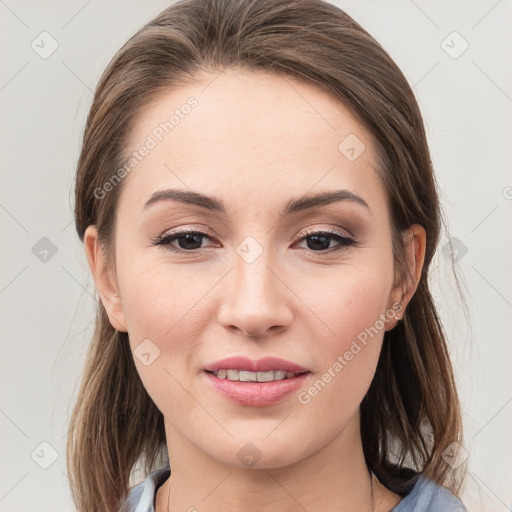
426,496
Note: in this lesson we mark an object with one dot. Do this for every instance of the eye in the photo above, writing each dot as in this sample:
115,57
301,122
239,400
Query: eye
187,240
319,241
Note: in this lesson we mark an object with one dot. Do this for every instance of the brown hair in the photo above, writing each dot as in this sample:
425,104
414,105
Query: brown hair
411,412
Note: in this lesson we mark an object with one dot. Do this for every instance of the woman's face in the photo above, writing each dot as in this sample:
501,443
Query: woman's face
254,283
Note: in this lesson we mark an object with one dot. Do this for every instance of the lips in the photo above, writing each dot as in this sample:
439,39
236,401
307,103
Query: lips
256,394
266,364
260,392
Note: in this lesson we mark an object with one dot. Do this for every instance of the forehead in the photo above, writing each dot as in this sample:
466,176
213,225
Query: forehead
235,131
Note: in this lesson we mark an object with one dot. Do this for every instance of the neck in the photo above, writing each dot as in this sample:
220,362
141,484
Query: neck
334,477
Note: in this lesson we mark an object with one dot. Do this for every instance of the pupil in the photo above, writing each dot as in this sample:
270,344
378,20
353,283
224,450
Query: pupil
190,238
315,242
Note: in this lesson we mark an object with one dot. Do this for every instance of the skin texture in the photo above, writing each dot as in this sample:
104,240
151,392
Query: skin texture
256,140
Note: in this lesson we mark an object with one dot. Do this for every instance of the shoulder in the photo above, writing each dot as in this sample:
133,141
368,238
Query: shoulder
427,496
141,497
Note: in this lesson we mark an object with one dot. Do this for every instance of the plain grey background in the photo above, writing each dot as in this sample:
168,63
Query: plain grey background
456,55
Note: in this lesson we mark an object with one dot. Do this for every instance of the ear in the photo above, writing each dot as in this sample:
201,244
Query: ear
415,243
104,279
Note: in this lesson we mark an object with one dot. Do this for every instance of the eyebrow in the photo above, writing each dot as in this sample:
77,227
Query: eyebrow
213,204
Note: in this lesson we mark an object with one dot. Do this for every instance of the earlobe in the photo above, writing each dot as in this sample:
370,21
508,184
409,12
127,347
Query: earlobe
104,279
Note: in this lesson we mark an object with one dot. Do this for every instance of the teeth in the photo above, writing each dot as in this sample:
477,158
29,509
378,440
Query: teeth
246,376
232,375
279,375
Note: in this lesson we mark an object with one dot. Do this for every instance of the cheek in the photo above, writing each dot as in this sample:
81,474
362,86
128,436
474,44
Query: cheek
347,356
165,317
158,293
163,311
350,300
352,309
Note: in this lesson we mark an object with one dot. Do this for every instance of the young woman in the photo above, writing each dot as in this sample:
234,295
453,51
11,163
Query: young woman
259,212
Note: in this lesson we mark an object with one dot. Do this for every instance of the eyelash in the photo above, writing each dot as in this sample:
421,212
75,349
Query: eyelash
343,240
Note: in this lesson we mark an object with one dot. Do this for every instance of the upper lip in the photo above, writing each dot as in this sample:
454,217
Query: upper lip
265,364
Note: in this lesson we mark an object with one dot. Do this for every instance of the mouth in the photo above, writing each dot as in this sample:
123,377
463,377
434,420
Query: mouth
256,383
255,389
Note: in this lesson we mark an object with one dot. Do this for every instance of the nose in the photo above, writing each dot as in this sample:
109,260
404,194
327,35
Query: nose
255,300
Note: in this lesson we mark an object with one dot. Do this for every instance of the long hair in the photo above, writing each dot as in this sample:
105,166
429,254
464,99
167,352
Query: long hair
411,413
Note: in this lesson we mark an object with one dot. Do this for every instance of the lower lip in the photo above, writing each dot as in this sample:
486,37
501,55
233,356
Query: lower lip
256,394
